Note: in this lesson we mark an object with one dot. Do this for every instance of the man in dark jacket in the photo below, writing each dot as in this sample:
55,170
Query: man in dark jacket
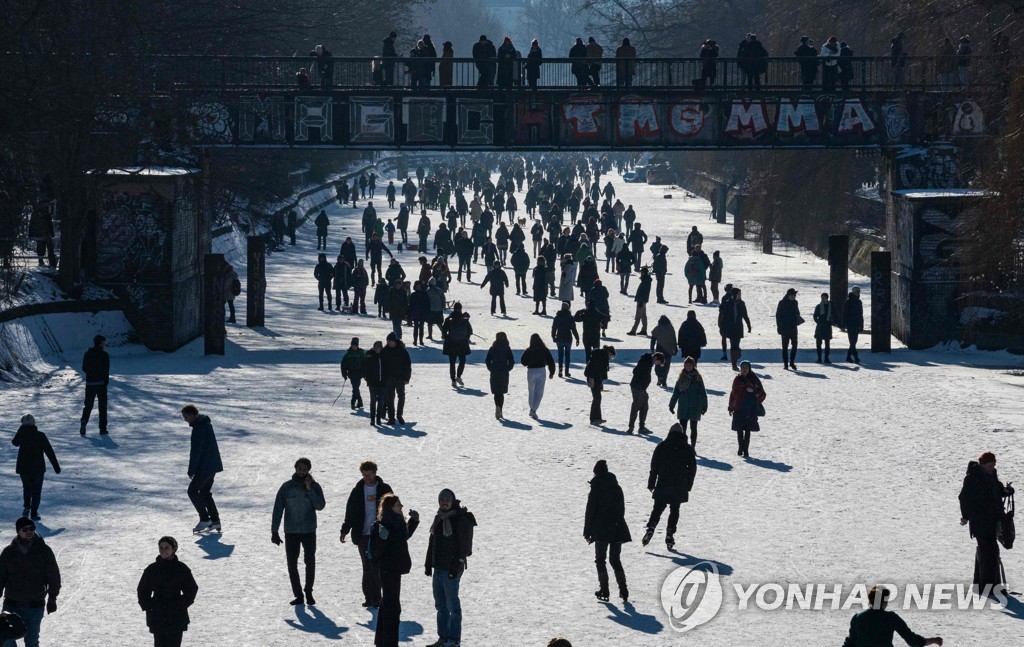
499,281
643,295
29,578
853,323
360,513
808,56
342,279
324,275
787,318
450,543
876,625
96,366
673,468
32,446
596,373
605,526
520,265
203,464
165,592
464,251
298,500
373,373
735,317
563,332
324,66
322,222
981,506
397,373
638,387
375,253
352,370
485,56
637,240
660,267
389,54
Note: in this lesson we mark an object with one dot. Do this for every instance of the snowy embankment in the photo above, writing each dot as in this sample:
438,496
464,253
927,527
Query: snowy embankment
852,479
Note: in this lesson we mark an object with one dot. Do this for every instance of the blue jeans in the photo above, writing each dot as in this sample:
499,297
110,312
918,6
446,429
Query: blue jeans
563,352
33,618
449,610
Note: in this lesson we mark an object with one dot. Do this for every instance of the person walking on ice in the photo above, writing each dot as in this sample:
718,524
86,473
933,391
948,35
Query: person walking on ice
298,501
605,526
165,592
203,465
673,468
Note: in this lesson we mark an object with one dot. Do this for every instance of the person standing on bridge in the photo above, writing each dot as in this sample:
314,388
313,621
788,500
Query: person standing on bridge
446,70
534,59
897,59
963,60
708,63
945,65
578,56
594,54
506,62
845,65
389,54
484,56
625,64
787,319
830,64
807,54
753,60
324,66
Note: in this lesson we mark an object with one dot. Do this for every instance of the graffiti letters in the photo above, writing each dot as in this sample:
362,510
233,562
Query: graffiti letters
313,112
799,117
854,119
686,119
637,120
747,119
424,119
583,115
262,119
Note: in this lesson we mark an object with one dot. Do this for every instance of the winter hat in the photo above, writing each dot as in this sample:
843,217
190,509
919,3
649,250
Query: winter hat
24,522
355,341
170,541
987,457
28,419
664,320
676,429
856,289
790,291
746,363
601,467
446,494
804,39
392,337
392,35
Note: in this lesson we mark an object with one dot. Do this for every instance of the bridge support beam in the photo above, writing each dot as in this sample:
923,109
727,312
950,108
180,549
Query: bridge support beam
881,302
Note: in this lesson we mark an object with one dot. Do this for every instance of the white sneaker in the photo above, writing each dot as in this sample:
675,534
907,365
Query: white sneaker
201,526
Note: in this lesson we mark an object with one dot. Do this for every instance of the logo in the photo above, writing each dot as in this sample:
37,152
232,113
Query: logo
691,597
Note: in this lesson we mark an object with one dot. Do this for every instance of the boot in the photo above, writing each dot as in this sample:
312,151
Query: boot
620,579
819,357
734,355
602,586
647,536
670,540
497,412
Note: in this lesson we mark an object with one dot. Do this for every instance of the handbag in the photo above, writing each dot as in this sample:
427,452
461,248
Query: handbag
1007,532
760,410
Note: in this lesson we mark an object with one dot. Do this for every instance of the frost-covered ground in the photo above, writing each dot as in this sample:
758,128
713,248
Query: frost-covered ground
853,479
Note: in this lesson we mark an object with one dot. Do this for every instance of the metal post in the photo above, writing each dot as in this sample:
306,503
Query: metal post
214,333
256,281
881,302
839,282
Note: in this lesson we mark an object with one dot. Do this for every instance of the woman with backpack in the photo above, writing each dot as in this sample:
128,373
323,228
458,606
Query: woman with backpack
745,406
389,547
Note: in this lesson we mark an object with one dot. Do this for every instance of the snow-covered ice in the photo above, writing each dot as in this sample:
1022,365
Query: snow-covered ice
853,479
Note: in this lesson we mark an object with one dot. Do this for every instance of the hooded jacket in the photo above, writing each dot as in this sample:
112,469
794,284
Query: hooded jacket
673,468
204,455
606,511
32,446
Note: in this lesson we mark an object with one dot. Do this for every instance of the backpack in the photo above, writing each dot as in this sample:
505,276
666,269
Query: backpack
236,286
1007,531
374,544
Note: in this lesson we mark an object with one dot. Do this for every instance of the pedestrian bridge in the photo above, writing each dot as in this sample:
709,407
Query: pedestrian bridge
251,101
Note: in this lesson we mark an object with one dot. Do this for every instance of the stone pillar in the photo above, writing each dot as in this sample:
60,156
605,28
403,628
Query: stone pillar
881,302
722,200
737,219
402,172
214,333
838,281
256,281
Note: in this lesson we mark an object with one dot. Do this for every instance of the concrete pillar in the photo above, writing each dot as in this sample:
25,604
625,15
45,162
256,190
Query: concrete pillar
721,200
881,302
838,280
256,281
737,219
214,333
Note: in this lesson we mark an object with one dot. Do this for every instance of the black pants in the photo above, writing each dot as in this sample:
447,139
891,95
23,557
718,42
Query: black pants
32,489
623,283
199,492
359,301
714,290
743,440
231,309
495,299
521,284
464,263
394,390
92,392
595,404
499,399
293,541
167,639
828,344
324,290
451,365
390,615
660,290
357,397
611,550
673,514
986,564
852,351
639,406
788,353
371,574
338,296
321,240
693,430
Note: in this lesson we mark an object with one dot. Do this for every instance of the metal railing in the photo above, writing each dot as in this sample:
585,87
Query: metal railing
167,73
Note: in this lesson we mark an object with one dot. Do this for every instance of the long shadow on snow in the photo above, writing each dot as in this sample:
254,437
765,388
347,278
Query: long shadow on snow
768,464
629,617
312,620
1014,608
406,430
213,547
711,463
512,424
680,558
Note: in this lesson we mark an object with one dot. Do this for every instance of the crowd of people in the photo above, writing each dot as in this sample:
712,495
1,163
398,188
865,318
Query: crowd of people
570,209
504,66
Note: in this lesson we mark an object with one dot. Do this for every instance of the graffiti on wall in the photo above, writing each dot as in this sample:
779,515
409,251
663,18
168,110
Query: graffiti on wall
533,120
314,113
583,119
132,238
262,119
969,120
935,167
209,122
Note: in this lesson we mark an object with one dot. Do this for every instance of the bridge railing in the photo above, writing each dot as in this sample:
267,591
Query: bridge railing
271,72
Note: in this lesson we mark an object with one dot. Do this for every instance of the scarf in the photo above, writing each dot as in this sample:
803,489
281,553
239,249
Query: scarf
686,379
445,519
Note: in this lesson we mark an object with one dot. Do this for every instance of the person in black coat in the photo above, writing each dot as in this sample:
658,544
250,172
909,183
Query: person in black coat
485,57
787,319
638,386
322,222
373,373
29,578
853,323
449,546
823,326
673,468
596,373
660,268
392,553
324,275
360,513
643,295
419,311
166,591
500,363
734,317
96,367
397,373
324,66
499,281
540,287
605,526
342,280
456,332
389,54
692,337
981,506
520,265
32,446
